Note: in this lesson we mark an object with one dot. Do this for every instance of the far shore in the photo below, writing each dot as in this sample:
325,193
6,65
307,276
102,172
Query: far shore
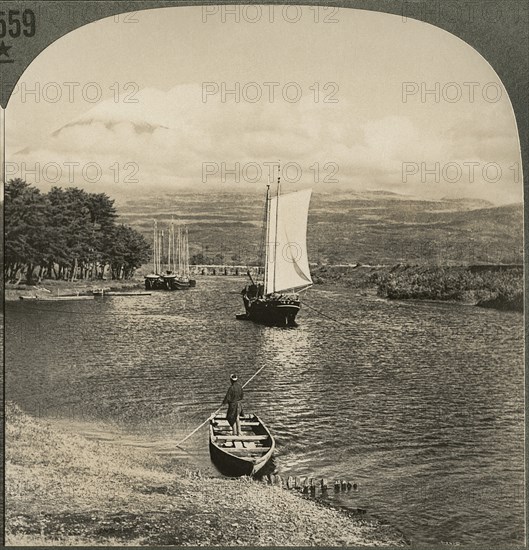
493,286
63,490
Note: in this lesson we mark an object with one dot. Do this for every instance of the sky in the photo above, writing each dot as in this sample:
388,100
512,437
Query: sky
133,104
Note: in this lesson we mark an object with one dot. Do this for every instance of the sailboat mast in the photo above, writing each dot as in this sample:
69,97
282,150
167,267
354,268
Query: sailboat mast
266,239
174,249
187,252
169,250
161,250
179,251
154,248
277,220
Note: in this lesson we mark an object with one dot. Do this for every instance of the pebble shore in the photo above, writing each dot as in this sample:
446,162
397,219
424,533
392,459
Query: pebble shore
63,489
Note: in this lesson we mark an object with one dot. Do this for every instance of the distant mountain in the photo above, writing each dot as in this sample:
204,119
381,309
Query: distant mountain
371,228
139,127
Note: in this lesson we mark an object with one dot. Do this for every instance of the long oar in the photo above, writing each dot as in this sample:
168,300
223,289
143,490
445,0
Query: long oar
198,427
212,415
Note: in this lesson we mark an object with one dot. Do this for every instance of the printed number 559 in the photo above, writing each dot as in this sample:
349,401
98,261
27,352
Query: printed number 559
13,23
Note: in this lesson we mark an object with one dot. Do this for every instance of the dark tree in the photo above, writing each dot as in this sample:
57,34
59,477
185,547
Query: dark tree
68,234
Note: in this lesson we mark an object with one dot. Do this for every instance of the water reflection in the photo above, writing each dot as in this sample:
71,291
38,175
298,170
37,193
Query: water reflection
420,404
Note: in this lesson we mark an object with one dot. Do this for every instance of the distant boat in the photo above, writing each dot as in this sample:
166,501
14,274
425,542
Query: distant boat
175,276
58,298
103,293
154,281
274,300
243,455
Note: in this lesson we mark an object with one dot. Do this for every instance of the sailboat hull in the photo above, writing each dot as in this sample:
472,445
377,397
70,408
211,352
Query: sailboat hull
272,311
180,284
272,300
153,282
168,282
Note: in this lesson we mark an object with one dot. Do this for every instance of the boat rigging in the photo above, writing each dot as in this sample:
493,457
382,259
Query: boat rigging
176,275
274,299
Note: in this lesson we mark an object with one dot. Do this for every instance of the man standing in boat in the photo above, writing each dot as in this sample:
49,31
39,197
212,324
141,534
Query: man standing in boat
233,399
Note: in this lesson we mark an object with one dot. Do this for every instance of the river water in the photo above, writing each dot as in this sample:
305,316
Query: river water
419,403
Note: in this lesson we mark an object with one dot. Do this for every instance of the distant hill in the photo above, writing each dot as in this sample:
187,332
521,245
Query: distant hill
372,227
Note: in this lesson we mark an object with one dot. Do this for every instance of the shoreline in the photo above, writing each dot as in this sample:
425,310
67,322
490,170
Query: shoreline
497,287
64,489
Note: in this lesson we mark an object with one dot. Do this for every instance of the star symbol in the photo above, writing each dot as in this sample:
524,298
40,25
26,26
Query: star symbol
4,49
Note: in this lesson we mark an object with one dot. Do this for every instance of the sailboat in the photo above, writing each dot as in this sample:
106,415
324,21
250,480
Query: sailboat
274,299
154,281
176,273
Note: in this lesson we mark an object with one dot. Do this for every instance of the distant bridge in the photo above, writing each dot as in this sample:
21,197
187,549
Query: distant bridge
223,269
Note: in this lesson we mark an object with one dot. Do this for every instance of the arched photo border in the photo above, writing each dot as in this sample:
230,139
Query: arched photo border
501,37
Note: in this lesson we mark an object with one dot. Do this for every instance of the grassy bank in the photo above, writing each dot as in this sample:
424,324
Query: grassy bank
495,286
63,489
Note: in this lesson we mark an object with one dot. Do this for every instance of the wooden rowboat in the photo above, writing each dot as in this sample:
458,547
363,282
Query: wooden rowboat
121,293
242,455
63,298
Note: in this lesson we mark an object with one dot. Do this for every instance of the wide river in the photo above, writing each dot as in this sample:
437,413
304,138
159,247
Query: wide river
419,403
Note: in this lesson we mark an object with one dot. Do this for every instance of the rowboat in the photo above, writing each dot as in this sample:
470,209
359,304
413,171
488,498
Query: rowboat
240,455
64,298
127,293
121,293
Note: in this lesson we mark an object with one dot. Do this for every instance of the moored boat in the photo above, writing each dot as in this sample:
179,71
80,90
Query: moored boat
154,281
243,455
176,275
63,298
126,293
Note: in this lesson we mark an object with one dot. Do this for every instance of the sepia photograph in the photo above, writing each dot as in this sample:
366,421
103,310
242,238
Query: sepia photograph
263,272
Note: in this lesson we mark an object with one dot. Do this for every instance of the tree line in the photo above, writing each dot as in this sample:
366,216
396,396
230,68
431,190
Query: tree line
67,234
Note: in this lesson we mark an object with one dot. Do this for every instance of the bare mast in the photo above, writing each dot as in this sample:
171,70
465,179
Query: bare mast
187,253
277,218
267,238
160,251
169,266
154,248
179,251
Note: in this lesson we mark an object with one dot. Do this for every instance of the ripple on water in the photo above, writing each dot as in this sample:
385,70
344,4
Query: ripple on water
420,403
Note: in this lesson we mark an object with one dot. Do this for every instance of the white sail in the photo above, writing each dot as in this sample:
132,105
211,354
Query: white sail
288,264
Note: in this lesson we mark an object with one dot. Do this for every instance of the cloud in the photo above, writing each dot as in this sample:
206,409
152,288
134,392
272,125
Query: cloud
169,135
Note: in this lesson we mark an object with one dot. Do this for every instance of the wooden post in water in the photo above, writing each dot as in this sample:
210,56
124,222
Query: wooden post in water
305,486
291,482
324,486
336,486
297,483
312,487
344,485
